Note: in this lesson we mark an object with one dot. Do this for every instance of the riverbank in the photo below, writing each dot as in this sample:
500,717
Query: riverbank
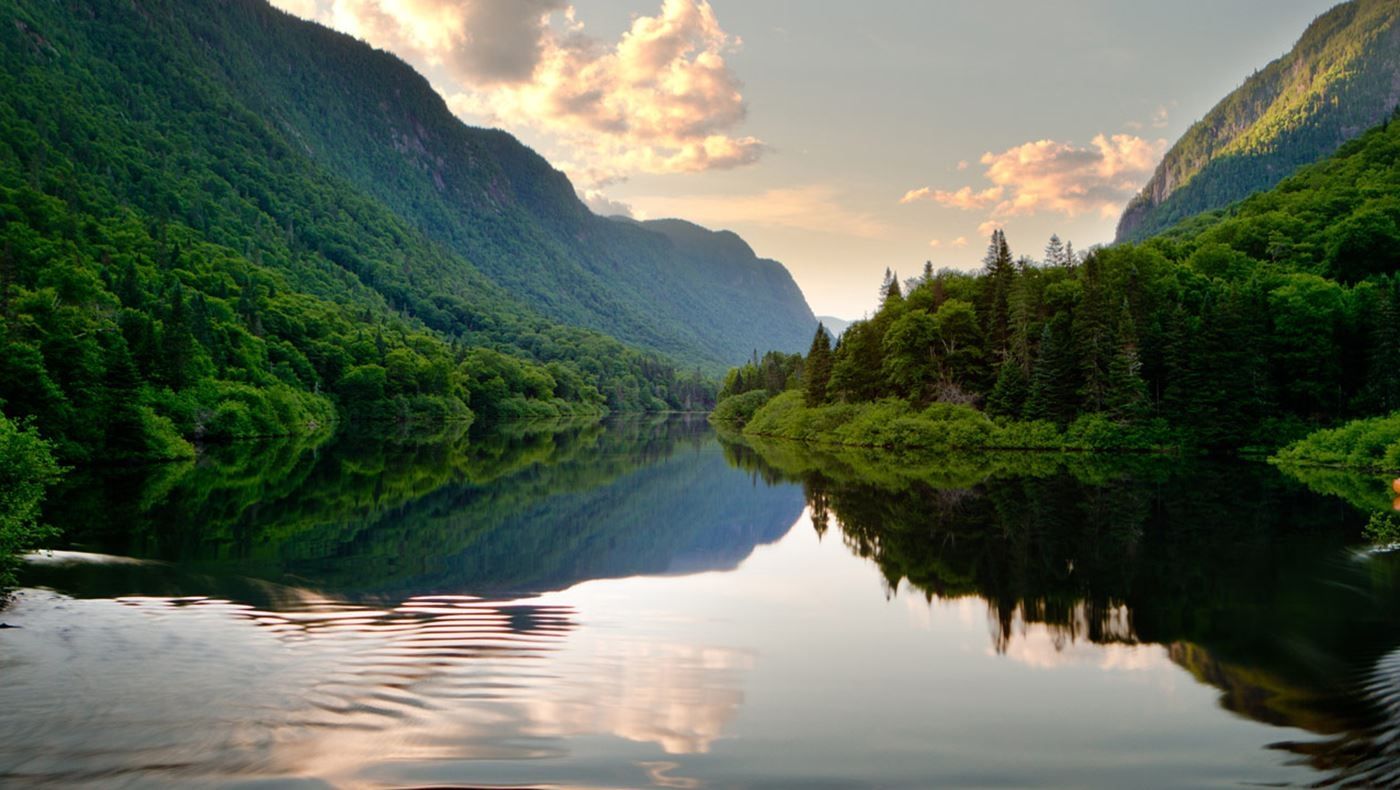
897,425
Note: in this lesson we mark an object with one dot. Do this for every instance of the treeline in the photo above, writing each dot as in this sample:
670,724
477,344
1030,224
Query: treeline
173,268
1241,328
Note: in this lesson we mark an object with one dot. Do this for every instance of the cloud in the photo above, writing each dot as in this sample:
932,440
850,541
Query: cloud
986,228
960,242
964,198
660,99
1055,177
963,164
604,206
815,208
935,243
1158,119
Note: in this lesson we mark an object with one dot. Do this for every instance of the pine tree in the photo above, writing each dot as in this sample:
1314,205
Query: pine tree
889,291
1054,390
1054,252
1093,338
1126,398
1382,393
1008,397
176,343
1000,271
123,422
817,369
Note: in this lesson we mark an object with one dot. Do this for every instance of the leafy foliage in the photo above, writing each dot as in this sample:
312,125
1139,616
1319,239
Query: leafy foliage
27,468
1246,328
177,264
1337,81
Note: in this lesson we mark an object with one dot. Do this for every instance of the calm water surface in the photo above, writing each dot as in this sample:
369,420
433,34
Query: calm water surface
643,605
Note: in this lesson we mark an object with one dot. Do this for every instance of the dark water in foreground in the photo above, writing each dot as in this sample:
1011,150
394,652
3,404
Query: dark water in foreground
642,605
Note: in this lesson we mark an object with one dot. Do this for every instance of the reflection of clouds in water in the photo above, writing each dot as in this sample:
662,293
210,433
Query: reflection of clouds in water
1038,646
346,693
677,696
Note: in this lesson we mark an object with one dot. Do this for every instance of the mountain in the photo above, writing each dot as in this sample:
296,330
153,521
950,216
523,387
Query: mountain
836,326
370,119
1341,78
218,221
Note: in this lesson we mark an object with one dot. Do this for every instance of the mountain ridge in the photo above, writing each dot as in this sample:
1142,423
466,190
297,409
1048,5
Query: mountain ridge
1341,78
494,200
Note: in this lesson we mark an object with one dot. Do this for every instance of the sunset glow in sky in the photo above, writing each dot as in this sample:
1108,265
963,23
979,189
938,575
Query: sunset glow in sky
841,139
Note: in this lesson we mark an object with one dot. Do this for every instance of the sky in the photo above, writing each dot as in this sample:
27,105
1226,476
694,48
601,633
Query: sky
841,139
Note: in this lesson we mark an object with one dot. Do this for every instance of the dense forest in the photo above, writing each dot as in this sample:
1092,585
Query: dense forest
175,266
1336,82
366,120
1244,327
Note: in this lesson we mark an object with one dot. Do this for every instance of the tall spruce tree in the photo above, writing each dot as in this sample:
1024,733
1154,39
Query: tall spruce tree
817,369
1055,386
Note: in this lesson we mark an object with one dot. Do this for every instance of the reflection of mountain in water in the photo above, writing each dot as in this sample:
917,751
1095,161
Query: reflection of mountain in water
507,514
1243,573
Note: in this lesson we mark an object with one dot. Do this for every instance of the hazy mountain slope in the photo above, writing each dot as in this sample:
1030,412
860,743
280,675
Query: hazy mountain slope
1341,78
371,119
175,262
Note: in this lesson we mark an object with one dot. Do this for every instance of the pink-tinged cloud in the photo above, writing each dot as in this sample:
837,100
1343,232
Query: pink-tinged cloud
960,242
964,198
935,243
1054,177
1067,179
660,99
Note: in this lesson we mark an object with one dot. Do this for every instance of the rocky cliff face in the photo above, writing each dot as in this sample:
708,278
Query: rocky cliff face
1341,78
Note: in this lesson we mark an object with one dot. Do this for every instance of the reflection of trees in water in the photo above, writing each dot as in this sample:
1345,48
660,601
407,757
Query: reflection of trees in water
367,515
1243,573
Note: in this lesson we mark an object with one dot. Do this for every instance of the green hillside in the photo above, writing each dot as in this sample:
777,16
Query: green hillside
208,229
1341,78
1243,327
368,118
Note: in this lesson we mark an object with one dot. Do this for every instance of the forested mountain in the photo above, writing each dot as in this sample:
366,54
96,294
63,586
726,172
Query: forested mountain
367,117
1341,78
1241,327
219,221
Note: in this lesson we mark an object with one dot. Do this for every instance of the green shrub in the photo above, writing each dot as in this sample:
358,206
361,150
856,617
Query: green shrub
27,468
739,409
1372,443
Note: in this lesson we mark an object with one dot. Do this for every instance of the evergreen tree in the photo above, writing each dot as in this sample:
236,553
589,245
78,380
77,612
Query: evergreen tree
1093,338
123,421
1008,396
176,342
1055,252
999,276
889,290
1382,393
1055,386
1126,398
817,369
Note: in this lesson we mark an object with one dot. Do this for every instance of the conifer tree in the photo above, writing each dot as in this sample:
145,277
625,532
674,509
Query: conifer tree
817,369
1093,338
123,422
1126,398
1000,275
1054,252
1054,390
